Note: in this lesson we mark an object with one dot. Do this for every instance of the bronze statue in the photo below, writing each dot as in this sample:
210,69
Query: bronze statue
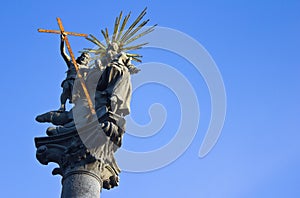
84,139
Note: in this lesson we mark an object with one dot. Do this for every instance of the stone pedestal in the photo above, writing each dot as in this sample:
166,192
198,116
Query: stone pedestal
85,156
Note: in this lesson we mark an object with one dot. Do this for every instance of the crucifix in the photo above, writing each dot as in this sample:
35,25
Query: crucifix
62,31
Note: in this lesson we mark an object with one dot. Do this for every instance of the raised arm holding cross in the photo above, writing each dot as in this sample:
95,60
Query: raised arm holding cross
73,67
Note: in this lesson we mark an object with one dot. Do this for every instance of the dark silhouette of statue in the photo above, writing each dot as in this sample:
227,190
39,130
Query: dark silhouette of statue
83,140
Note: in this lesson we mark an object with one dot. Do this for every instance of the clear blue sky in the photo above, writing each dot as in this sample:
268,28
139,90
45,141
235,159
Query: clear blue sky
255,45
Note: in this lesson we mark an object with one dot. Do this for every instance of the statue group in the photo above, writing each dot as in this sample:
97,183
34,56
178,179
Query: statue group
83,139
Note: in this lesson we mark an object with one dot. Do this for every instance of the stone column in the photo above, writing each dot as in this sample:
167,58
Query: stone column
81,184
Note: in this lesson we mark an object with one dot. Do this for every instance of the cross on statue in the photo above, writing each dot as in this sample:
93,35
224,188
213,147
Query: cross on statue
62,31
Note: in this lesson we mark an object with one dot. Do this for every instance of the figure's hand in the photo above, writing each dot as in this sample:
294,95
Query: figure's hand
63,36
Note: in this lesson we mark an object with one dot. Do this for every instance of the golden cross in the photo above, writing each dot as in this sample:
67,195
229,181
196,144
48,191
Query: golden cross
62,31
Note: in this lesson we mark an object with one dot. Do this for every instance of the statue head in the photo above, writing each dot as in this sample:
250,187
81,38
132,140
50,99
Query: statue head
84,58
113,46
111,51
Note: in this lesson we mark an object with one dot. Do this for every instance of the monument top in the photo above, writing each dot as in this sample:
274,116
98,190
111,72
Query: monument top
84,139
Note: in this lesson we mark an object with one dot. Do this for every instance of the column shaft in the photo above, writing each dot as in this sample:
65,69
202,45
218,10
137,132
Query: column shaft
81,185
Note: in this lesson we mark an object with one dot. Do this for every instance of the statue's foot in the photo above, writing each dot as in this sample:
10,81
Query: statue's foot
51,131
46,117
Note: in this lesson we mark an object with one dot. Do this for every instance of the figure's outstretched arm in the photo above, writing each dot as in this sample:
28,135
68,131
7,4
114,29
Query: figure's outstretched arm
63,50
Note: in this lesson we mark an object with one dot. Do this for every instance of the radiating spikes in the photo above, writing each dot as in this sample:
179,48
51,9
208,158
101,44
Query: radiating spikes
92,40
135,31
103,33
94,51
99,42
99,54
123,26
95,41
116,28
140,35
134,47
136,59
105,36
94,58
89,50
122,37
82,51
137,20
133,55
100,51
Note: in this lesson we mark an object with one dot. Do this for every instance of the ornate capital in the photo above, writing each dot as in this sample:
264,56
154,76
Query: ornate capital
76,153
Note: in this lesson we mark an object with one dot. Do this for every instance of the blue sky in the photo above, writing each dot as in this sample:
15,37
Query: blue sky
255,45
